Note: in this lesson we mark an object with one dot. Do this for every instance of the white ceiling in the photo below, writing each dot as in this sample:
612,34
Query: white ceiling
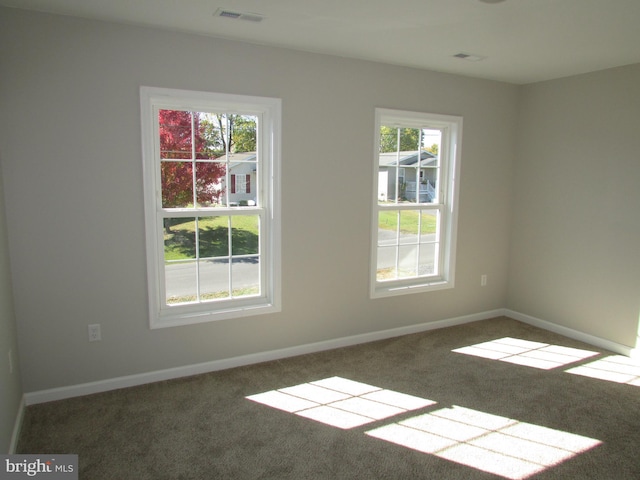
523,41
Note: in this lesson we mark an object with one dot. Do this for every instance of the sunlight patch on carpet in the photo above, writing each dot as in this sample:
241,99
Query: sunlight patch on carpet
340,402
491,443
615,368
525,352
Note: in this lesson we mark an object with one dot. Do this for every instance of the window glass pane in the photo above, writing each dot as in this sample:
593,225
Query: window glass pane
175,134
213,237
388,139
409,226
212,130
180,264
242,176
210,181
388,173
386,263
245,276
179,239
180,282
223,190
431,140
409,139
206,136
387,227
385,193
428,185
243,136
245,236
388,179
428,259
407,261
408,190
429,165
429,225
177,184
214,279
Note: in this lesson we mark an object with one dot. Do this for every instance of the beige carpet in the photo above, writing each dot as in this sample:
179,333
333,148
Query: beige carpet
404,408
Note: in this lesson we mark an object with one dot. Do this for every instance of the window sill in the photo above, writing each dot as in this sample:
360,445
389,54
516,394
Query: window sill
169,318
380,290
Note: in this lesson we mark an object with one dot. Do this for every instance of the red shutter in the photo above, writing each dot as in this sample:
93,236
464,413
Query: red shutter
233,184
248,177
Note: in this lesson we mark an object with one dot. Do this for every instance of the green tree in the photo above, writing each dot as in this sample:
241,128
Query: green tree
389,136
409,140
229,132
244,134
182,138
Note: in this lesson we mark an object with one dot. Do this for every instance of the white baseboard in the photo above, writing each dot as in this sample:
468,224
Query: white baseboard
568,332
61,393
17,426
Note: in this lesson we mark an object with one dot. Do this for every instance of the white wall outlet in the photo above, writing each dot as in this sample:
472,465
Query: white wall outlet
483,280
94,333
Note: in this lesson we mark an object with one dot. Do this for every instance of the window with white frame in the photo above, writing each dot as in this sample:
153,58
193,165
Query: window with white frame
211,170
415,204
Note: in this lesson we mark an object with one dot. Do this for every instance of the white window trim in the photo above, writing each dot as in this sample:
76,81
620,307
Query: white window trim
269,301
451,147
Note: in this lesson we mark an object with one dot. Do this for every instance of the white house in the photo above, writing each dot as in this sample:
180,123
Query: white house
242,178
400,172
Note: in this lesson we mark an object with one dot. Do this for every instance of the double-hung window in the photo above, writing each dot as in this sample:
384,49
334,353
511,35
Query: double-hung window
211,170
417,164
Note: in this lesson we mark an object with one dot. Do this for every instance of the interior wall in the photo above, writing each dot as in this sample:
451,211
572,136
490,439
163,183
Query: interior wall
11,391
576,223
71,136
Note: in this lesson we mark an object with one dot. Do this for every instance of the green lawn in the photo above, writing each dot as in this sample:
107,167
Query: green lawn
409,221
180,244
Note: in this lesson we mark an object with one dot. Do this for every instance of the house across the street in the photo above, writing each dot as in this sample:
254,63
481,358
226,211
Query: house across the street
242,178
400,172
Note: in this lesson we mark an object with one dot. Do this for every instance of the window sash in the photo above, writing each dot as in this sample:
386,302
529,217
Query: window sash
167,308
418,243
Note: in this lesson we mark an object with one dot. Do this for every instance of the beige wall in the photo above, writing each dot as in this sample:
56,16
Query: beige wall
11,388
70,135
575,256
548,206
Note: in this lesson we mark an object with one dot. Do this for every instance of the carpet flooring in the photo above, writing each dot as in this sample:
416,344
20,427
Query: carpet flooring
404,408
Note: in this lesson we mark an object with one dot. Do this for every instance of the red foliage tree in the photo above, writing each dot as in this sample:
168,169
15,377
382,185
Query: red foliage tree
182,138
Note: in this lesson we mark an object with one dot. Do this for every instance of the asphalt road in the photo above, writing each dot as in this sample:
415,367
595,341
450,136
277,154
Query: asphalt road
181,277
214,276
406,254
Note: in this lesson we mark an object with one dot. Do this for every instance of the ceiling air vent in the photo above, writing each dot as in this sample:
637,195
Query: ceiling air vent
468,57
249,17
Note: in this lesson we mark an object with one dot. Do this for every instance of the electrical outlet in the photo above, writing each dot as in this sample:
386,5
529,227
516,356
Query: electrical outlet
94,333
483,280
